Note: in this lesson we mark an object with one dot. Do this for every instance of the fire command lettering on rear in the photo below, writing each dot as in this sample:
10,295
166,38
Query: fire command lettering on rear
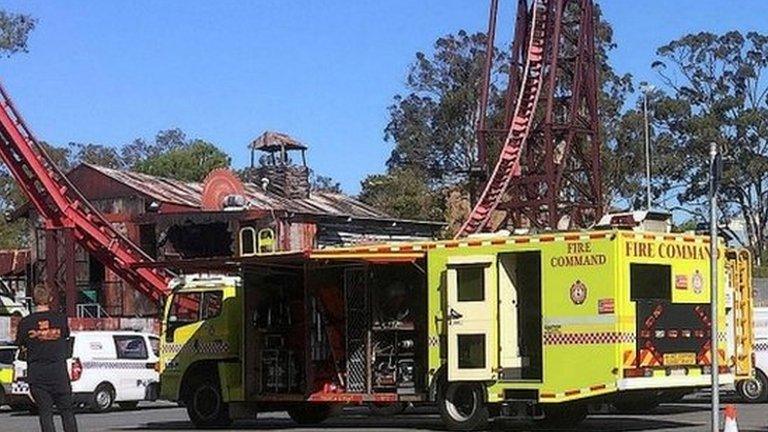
667,250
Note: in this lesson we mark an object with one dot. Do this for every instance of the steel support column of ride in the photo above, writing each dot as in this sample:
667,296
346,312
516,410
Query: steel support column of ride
558,184
60,271
479,170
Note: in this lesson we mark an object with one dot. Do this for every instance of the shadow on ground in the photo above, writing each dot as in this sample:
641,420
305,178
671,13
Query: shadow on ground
431,423
86,412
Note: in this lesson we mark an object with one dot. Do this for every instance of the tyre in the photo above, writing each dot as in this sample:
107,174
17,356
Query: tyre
102,398
568,414
462,406
387,409
128,405
754,390
205,405
310,413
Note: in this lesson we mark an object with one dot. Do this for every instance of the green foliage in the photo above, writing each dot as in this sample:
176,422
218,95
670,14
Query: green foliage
191,162
139,149
321,183
688,225
97,154
14,32
432,127
171,154
760,272
714,90
403,194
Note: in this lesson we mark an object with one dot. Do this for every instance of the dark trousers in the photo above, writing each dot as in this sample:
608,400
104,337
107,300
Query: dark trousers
46,397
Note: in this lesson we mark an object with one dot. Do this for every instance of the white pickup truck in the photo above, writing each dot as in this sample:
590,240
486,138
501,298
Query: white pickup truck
757,390
105,367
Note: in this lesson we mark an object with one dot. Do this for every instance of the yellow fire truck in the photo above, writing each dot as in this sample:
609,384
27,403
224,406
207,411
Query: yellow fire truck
539,327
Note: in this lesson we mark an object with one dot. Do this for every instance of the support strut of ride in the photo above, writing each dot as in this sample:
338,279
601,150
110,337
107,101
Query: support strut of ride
61,206
548,172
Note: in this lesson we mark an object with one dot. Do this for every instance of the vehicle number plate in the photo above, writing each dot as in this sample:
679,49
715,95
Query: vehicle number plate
19,388
679,359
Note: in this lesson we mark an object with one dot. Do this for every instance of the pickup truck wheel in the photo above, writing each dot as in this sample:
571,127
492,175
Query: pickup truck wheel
206,407
310,413
102,398
462,406
754,390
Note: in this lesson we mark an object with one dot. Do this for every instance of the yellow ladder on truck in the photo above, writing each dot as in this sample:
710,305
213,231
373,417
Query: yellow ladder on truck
739,263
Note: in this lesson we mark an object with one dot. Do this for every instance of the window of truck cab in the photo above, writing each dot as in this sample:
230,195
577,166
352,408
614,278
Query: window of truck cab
191,307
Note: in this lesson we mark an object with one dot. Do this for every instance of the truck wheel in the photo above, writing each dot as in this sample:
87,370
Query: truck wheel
754,390
205,405
462,406
102,398
562,415
310,413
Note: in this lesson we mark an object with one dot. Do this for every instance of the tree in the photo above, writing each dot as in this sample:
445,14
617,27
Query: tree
14,32
139,149
321,183
13,234
433,126
715,90
414,199
191,162
97,154
432,129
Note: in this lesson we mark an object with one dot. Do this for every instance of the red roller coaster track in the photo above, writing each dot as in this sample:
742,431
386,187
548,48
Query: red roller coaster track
548,173
61,205
508,164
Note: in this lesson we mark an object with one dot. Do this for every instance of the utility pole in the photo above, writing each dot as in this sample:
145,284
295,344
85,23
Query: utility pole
714,178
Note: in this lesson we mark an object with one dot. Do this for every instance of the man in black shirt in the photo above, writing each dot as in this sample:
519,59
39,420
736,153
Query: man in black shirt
44,335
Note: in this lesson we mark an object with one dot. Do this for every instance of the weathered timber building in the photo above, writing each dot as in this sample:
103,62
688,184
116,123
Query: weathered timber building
173,220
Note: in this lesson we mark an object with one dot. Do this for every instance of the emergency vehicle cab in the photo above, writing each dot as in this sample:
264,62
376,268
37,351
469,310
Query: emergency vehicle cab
536,327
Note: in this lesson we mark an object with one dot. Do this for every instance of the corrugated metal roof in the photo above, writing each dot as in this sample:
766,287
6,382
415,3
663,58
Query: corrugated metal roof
190,195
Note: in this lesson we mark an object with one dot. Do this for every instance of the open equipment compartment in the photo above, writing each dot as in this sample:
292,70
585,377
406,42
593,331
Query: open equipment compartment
335,330
274,322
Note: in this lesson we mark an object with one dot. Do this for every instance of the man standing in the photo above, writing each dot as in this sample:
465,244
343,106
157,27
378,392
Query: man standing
44,335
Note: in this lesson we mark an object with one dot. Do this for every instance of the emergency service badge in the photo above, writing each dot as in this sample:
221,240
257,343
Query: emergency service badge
698,282
578,292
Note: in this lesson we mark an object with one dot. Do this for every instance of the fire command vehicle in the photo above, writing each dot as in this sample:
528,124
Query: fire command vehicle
538,326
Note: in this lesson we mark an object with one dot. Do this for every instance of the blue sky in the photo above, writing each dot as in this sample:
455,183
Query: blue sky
323,71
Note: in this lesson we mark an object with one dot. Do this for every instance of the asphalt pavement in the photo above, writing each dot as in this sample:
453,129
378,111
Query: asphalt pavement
690,415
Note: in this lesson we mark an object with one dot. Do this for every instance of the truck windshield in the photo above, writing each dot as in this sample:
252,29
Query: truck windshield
185,309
